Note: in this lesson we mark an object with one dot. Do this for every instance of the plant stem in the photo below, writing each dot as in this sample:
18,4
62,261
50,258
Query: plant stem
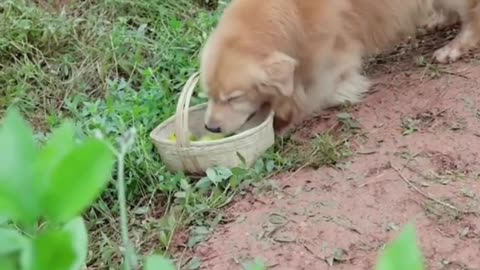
130,261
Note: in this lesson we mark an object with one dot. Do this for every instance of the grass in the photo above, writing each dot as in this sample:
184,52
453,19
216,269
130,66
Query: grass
115,64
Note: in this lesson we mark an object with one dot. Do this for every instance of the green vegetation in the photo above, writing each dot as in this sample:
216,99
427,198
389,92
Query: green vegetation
402,253
39,230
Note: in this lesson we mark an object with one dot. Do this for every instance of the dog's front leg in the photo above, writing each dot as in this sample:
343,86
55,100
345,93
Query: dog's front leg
467,39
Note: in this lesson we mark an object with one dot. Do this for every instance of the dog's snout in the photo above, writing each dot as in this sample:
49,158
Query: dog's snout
213,129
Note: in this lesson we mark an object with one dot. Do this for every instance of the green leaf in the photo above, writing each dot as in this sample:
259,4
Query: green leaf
180,194
58,146
259,166
53,250
77,229
18,199
11,240
157,262
78,180
65,249
198,235
270,166
403,253
184,184
212,175
242,158
203,184
224,173
7,263
3,220
163,238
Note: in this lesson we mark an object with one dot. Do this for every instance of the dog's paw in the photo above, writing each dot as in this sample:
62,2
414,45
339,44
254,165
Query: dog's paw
448,54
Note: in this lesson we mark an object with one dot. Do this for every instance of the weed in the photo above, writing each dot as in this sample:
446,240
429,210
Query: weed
432,71
328,151
350,124
445,177
410,126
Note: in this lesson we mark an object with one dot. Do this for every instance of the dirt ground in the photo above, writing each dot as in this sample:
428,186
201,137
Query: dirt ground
418,162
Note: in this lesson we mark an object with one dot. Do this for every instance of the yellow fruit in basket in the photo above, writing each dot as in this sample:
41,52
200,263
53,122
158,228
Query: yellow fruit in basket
207,138
204,138
173,138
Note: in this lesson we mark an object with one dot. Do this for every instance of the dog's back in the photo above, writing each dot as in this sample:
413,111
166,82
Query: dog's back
286,24
321,41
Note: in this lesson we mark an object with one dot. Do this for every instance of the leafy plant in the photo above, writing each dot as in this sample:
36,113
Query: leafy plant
43,192
403,253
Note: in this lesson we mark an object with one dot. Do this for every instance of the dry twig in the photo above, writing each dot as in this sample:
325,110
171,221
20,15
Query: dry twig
405,179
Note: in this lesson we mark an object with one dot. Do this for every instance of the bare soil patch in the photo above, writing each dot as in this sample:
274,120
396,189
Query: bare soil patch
417,162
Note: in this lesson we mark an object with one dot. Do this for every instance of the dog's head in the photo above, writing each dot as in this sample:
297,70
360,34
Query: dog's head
239,82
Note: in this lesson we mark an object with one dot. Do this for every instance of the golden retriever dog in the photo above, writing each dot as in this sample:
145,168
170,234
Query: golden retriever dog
302,56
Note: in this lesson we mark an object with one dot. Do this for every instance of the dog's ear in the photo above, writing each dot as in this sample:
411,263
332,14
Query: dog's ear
279,69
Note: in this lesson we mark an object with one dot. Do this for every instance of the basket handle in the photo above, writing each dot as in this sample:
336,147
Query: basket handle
182,111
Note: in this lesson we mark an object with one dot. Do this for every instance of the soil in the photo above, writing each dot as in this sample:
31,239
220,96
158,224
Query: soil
418,162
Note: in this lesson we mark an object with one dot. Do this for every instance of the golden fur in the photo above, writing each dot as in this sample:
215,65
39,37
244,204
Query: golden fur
301,56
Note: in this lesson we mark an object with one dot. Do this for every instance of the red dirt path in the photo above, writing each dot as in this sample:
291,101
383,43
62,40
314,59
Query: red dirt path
361,207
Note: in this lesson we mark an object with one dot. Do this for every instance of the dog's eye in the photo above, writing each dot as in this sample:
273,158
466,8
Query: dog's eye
233,99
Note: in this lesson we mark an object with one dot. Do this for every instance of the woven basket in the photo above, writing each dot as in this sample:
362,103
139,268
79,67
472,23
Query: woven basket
183,155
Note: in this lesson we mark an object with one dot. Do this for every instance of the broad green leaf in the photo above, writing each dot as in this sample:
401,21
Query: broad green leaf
78,180
259,166
203,184
77,229
224,173
3,220
212,175
184,185
58,146
15,249
270,166
26,257
198,235
157,262
11,240
7,263
18,200
403,253
53,250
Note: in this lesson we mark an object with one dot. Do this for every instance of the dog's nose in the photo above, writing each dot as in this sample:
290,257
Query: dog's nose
213,129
